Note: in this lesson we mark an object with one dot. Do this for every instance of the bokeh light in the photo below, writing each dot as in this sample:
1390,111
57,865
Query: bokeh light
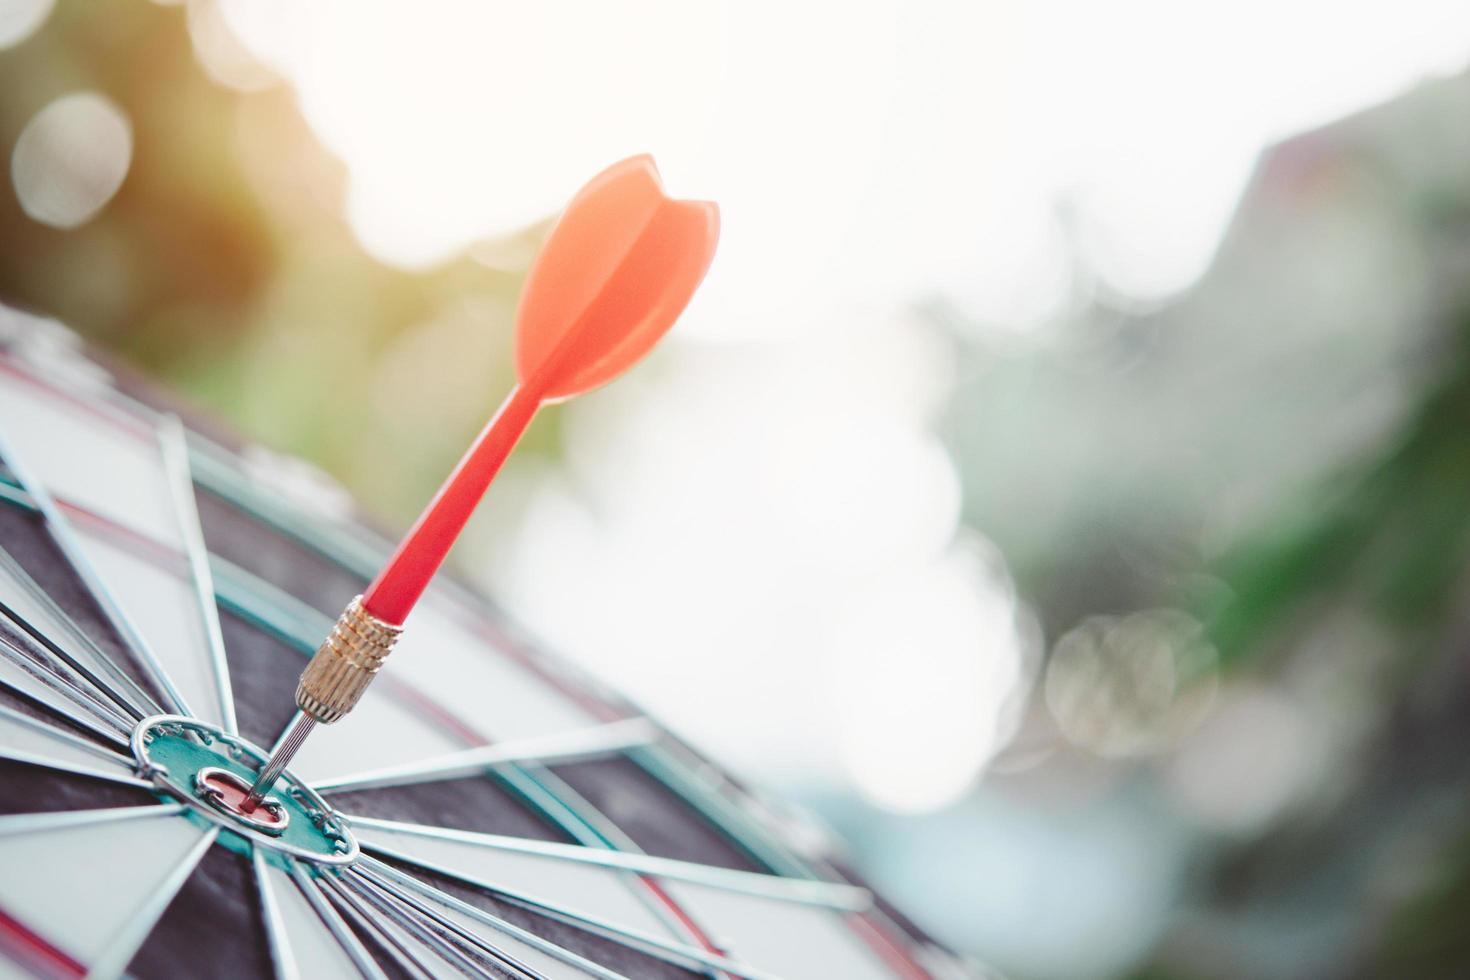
919,671
1132,685
70,159
1248,761
19,19
220,51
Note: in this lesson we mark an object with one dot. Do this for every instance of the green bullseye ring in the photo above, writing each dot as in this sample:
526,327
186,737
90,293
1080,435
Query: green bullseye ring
172,750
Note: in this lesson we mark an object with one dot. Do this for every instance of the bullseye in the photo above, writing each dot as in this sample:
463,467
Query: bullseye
227,793
210,770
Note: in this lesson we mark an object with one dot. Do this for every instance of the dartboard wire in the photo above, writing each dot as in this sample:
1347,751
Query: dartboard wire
28,823
567,809
350,909
827,894
257,612
659,947
541,785
125,945
127,693
110,756
46,674
71,547
25,641
471,960
120,773
67,670
89,722
369,883
350,944
181,485
81,721
159,554
283,960
683,773
596,830
417,924
717,797
718,800
16,755
579,744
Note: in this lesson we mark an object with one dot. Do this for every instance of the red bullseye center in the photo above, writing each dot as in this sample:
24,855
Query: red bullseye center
227,792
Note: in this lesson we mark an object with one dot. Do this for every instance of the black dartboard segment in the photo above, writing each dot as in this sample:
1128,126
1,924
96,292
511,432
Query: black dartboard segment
488,809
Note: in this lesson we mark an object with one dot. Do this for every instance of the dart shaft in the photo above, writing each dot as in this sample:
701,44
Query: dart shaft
398,586
289,745
330,686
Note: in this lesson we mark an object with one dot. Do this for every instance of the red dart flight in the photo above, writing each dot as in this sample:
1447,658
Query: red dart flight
618,269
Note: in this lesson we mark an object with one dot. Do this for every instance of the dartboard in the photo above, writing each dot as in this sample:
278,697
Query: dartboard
488,810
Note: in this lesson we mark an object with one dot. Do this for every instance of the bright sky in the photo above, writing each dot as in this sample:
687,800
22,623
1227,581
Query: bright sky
863,150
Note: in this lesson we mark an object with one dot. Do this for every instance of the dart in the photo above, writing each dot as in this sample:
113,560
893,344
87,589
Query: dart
616,271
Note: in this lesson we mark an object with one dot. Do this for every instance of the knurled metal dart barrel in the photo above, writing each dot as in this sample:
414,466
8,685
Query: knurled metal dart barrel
619,267
345,663
331,685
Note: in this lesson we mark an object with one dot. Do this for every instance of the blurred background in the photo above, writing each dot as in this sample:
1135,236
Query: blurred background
1061,485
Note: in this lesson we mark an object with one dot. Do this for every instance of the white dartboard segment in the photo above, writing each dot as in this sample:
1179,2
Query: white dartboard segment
381,730
80,885
29,740
314,951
